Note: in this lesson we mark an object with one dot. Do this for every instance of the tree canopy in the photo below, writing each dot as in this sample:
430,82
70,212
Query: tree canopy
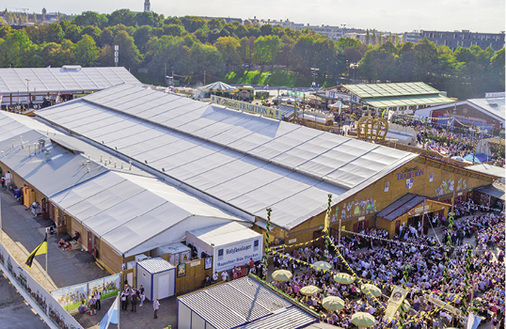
191,45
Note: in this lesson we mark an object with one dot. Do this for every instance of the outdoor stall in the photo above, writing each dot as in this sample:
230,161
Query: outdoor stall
158,277
229,245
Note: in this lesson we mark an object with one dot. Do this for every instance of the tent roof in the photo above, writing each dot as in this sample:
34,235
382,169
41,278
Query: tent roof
496,190
245,301
218,86
64,79
387,90
125,210
401,206
488,169
156,265
408,101
220,235
245,161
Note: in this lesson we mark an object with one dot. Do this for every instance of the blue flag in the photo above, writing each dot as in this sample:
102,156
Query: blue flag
111,316
473,321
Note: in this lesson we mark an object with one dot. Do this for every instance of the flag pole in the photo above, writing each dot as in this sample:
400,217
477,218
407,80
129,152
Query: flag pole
119,313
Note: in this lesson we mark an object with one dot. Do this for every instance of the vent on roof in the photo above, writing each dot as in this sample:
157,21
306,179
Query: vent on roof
72,67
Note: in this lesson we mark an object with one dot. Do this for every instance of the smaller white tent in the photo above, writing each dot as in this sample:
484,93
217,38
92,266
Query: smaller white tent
230,245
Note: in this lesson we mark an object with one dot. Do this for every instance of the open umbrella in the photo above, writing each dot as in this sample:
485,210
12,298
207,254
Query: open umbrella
343,278
363,319
371,289
281,275
333,303
309,290
321,266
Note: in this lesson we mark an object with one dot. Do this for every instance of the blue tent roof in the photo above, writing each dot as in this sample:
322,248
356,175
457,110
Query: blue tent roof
478,157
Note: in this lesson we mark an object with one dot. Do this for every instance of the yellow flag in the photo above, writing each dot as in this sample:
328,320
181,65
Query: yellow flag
40,250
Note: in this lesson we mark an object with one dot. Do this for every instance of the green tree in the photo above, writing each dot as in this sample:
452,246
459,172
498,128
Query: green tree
205,58
216,24
265,49
122,16
86,51
16,50
142,36
149,18
246,49
497,69
91,18
192,23
174,30
92,31
129,55
228,46
73,33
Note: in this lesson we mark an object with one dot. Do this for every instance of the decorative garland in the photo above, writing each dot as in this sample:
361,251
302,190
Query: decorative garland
448,245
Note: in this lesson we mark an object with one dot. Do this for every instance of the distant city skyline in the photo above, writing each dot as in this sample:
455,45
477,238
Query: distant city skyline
486,16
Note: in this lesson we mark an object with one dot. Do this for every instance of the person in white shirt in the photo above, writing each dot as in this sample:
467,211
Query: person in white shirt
224,275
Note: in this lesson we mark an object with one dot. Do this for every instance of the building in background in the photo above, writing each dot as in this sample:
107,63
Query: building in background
464,38
487,113
30,85
396,96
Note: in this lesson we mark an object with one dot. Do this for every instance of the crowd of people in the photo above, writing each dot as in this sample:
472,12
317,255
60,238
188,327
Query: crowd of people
423,265
448,140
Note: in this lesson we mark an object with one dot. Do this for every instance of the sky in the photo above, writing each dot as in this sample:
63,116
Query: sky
383,15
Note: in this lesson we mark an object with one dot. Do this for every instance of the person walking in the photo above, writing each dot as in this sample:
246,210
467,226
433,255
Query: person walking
156,306
92,302
141,295
98,296
124,300
134,299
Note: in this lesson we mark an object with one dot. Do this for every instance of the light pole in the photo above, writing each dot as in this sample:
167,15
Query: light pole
27,92
313,73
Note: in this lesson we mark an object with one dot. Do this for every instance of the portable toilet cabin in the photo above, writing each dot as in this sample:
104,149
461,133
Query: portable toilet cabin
158,277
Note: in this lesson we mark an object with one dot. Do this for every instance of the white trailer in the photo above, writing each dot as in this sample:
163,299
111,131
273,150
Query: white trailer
230,245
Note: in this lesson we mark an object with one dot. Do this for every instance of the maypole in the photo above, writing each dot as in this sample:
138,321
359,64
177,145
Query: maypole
266,243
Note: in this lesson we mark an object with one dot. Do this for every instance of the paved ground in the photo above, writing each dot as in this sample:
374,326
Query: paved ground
14,310
23,232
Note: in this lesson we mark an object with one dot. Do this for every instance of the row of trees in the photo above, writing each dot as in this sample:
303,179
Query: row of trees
189,46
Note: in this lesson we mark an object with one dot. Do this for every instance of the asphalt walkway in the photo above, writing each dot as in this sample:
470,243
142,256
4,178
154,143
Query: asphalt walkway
22,233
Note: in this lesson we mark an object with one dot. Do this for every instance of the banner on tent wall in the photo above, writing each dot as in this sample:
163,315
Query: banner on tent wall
70,297
108,286
270,112
47,303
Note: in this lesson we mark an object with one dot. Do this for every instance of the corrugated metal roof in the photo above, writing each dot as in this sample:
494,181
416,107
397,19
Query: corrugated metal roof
401,89
14,80
156,265
408,101
292,317
234,303
124,210
494,106
401,206
223,234
488,169
63,170
244,160
495,190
